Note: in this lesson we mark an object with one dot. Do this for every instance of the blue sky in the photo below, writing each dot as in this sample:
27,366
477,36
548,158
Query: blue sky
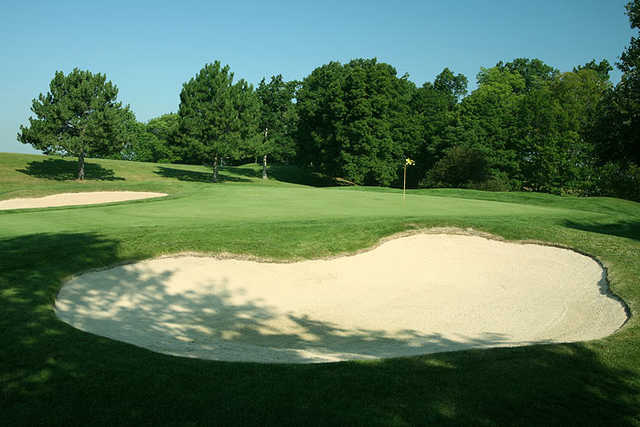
149,49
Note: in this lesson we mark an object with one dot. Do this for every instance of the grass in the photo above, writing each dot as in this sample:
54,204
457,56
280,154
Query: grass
52,373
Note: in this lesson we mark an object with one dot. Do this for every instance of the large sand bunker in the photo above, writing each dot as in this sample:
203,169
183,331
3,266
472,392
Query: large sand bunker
413,295
72,199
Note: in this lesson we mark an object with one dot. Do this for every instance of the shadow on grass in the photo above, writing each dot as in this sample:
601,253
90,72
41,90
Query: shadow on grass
298,175
291,174
196,176
628,229
283,173
51,371
62,170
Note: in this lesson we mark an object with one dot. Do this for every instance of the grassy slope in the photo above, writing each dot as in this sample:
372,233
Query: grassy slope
52,372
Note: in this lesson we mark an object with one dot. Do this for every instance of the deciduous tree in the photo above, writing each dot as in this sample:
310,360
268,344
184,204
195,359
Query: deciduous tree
355,121
278,120
435,106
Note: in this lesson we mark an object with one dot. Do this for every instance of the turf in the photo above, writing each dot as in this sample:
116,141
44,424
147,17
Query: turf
51,373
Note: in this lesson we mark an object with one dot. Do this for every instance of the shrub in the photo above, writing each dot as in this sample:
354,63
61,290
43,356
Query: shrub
619,180
460,167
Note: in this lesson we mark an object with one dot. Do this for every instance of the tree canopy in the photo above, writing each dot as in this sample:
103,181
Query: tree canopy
278,120
617,134
627,97
355,121
148,142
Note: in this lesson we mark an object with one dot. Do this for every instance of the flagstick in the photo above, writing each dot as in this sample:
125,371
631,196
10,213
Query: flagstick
404,183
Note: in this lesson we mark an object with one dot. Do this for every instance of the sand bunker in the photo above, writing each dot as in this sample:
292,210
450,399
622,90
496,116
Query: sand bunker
413,295
71,199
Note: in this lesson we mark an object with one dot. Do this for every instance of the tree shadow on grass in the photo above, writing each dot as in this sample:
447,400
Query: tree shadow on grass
292,174
283,173
51,371
626,228
298,175
62,170
196,176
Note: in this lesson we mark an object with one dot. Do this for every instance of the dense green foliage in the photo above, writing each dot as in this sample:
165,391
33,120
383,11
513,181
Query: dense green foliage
150,142
52,373
628,91
534,126
164,128
216,116
79,116
355,121
618,133
434,106
278,121
461,166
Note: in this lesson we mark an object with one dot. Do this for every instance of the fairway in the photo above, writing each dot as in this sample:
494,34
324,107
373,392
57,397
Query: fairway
52,370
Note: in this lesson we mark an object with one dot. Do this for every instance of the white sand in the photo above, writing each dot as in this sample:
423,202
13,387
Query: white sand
71,199
412,295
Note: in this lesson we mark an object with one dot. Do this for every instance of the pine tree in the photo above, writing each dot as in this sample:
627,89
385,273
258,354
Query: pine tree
216,115
79,116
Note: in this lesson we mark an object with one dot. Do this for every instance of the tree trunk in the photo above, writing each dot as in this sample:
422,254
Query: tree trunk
264,159
81,166
214,178
264,167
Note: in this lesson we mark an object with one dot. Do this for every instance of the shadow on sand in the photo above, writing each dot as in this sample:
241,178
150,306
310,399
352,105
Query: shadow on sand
133,304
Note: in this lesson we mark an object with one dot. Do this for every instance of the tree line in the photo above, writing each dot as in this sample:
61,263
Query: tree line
526,126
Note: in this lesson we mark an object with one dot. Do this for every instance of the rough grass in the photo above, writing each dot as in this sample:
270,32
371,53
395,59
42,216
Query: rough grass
53,374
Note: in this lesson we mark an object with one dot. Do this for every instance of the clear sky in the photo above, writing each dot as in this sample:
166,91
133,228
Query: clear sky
149,49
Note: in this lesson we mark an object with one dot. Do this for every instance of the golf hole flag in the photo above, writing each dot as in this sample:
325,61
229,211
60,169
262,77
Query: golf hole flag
407,162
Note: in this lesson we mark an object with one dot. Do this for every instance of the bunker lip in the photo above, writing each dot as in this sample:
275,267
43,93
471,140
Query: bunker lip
76,199
423,292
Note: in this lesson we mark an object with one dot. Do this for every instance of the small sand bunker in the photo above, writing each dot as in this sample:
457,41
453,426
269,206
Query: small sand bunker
413,295
71,199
